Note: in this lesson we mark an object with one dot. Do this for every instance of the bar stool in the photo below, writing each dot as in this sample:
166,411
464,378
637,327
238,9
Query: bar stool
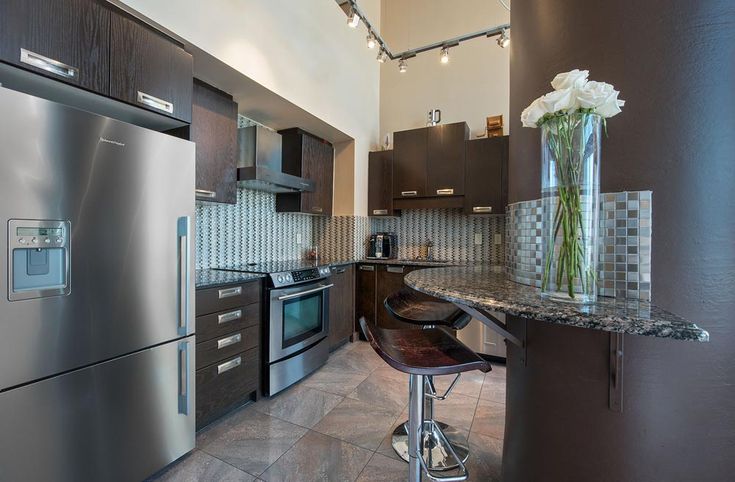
409,306
424,353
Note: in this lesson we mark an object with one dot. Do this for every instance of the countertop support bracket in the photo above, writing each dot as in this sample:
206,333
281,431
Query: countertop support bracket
616,372
493,323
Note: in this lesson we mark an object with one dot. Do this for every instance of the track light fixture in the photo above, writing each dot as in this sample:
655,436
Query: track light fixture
402,66
504,39
382,56
444,55
371,41
353,19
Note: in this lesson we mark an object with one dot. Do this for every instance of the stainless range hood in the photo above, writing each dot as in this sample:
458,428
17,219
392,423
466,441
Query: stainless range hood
259,163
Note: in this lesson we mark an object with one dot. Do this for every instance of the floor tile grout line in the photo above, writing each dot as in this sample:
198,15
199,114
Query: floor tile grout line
284,452
226,462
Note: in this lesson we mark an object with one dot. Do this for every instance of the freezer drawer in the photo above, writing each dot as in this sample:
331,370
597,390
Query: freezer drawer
119,420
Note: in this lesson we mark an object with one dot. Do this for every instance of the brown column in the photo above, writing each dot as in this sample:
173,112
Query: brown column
674,63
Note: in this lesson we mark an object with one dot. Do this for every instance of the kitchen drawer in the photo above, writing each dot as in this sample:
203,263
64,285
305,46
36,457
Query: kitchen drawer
225,385
226,297
228,321
226,346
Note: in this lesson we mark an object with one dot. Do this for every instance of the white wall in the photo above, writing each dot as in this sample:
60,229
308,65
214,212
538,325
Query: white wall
473,85
301,50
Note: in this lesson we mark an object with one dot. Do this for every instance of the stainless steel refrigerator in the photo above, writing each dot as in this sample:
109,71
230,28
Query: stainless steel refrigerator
96,295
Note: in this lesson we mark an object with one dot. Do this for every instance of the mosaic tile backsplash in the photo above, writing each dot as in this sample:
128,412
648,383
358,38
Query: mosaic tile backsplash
451,231
625,244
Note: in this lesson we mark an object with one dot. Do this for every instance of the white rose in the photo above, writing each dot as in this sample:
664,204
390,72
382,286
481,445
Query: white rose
533,113
560,100
600,96
611,107
574,79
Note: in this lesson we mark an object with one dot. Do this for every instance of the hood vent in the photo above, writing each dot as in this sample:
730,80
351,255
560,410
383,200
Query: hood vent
259,163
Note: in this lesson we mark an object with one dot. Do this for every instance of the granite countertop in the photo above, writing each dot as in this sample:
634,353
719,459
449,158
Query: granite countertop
488,289
209,278
412,262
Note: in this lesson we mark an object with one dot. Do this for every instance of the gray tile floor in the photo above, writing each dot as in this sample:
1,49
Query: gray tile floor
335,426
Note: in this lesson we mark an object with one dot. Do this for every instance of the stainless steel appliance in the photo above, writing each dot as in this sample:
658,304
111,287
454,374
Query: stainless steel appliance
383,246
96,313
297,300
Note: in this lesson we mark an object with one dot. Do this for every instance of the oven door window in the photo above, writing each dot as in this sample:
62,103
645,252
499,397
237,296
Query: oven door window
302,318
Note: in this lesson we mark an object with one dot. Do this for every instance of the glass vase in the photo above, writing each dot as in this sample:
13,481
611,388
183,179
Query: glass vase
570,190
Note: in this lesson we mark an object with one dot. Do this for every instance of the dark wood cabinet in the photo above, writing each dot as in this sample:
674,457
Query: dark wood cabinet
365,294
307,156
341,305
486,176
214,130
409,163
148,69
68,40
390,280
380,183
445,159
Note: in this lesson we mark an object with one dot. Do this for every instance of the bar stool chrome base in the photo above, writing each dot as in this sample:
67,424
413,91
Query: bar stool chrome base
437,456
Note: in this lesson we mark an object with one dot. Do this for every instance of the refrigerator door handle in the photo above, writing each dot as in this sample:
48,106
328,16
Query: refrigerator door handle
184,377
183,229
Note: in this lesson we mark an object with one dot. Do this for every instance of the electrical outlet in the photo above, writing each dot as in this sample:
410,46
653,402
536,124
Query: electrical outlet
478,238
298,238
498,239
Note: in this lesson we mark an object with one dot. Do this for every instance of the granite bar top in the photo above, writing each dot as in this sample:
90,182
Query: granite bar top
209,278
487,288
412,262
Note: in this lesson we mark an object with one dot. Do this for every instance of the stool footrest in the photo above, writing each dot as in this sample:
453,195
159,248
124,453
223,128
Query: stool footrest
463,472
431,389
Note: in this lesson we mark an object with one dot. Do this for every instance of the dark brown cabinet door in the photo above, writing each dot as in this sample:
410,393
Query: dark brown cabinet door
341,305
486,176
214,130
365,299
446,158
409,163
68,40
390,280
148,69
312,158
380,183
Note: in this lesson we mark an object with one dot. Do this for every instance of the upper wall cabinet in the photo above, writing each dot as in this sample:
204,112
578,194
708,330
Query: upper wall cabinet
312,158
68,40
214,130
148,69
486,189
380,183
429,162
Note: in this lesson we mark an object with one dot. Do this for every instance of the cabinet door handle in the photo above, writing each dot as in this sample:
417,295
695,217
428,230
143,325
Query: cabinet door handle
482,209
230,340
227,317
409,193
316,209
367,267
380,212
394,269
445,192
49,65
339,270
227,366
205,193
229,292
155,102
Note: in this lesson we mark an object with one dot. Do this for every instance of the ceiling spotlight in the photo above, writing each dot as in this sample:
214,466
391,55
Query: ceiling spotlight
402,66
444,56
353,19
371,41
504,39
382,56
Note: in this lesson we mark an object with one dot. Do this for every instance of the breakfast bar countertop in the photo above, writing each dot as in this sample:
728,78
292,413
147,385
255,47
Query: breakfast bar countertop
486,288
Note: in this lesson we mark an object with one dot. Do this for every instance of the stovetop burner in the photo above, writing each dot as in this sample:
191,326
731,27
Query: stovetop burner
284,273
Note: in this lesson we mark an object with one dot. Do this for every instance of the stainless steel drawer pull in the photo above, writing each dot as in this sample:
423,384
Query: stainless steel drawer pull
227,366
445,192
367,267
205,193
317,209
380,212
231,316
409,193
482,209
339,270
230,340
229,292
49,65
155,102
394,269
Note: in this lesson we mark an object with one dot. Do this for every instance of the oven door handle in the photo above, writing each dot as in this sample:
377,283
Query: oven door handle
307,292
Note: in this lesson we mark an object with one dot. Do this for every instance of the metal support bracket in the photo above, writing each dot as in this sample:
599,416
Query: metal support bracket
616,372
492,323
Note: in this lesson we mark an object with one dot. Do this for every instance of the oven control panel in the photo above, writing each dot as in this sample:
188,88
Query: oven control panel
299,276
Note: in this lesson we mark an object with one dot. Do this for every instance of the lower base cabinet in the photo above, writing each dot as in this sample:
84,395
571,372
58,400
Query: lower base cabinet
341,305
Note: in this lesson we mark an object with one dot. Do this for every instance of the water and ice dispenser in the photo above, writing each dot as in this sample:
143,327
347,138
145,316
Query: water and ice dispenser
38,259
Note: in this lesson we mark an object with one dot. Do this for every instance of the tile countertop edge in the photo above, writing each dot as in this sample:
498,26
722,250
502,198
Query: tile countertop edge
485,288
212,278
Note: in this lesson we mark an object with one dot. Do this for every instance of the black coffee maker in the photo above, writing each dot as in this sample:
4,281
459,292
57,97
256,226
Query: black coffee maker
383,246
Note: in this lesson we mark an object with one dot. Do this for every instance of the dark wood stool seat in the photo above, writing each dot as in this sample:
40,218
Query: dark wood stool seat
432,351
408,306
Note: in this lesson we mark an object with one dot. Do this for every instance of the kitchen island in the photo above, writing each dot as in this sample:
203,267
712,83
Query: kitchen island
576,407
